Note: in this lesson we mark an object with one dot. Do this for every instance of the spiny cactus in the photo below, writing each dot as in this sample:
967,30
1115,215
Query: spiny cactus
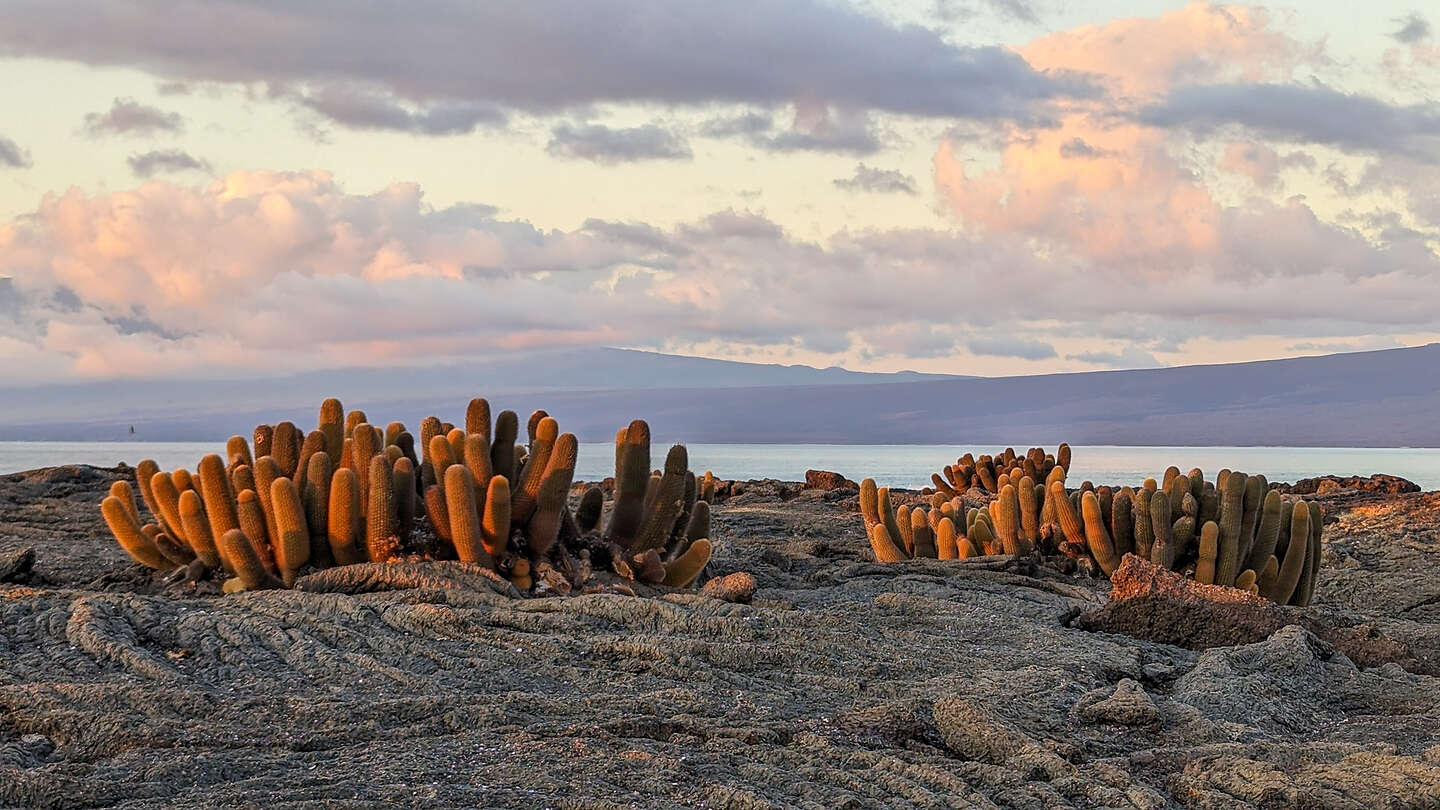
347,492
986,472
1236,532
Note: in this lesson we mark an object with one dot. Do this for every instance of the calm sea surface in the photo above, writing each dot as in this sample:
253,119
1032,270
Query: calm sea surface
890,465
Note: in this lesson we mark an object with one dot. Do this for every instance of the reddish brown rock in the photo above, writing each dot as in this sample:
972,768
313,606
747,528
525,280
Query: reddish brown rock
1152,603
828,481
736,587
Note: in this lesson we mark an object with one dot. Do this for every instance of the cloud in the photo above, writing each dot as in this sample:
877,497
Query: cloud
601,144
1010,346
549,55
1141,57
816,128
288,270
1020,10
1309,113
1413,28
127,116
165,160
746,124
12,155
1136,204
1261,163
1077,148
1128,357
359,108
878,181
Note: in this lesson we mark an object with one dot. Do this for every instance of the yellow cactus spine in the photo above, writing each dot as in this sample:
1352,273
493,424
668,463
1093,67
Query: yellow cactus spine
285,448
462,517
477,418
292,543
1209,553
592,507
219,504
683,570
404,486
352,419
315,496
129,535
264,440
167,498
1102,548
1232,513
502,445
543,435
477,460
236,548
947,544
237,452
332,424
197,529
552,498
632,476
343,520
121,489
252,525
495,526
1296,553
144,474
1065,513
439,454
364,446
380,513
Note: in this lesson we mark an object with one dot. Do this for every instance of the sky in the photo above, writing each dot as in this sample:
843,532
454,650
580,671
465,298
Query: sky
991,187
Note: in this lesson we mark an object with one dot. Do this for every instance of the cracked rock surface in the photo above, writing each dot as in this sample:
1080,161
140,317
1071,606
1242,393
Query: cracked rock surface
842,682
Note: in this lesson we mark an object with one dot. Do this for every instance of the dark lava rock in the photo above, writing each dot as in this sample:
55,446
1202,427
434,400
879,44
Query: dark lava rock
1325,484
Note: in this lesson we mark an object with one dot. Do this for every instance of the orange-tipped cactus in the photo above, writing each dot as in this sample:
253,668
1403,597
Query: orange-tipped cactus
219,503
477,419
381,540
344,518
292,543
197,529
236,548
129,535
495,525
682,571
463,519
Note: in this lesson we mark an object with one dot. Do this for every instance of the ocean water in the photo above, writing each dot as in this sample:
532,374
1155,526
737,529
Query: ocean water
890,465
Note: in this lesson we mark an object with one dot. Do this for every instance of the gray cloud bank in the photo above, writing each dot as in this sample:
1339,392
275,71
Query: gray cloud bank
546,55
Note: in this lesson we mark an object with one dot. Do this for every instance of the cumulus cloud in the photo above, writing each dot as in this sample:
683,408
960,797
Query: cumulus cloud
264,268
1413,28
878,181
602,144
12,155
127,116
148,164
548,55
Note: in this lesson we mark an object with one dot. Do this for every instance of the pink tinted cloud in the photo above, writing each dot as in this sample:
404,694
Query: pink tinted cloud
1113,193
280,271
